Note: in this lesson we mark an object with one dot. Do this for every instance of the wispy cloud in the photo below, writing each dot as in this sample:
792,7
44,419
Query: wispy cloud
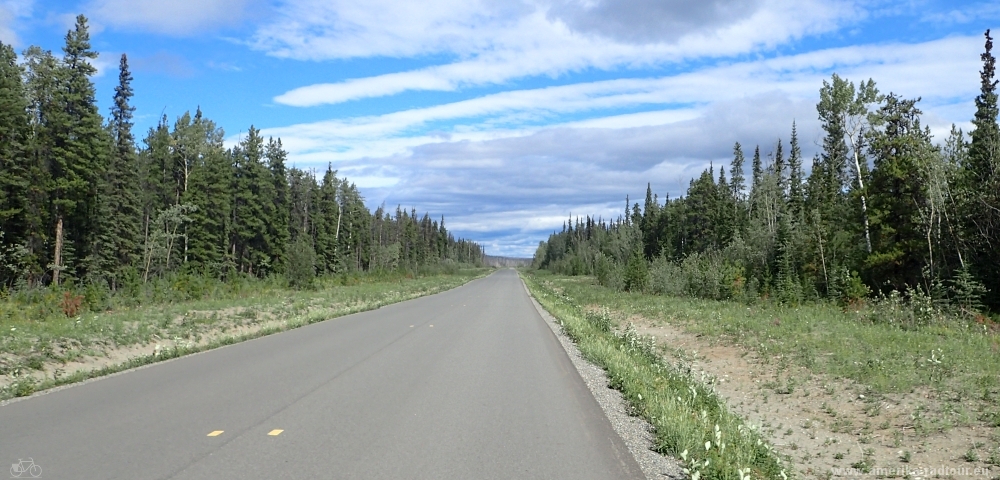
12,11
581,147
163,63
936,70
174,17
960,14
495,45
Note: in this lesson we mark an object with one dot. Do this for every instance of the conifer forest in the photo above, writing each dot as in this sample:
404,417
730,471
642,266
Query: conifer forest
84,202
884,211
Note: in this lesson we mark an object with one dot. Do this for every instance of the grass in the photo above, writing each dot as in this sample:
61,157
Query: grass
28,344
959,362
691,422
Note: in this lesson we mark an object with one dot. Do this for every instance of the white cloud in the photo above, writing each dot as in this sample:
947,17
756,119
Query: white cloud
510,167
493,45
174,17
965,13
937,70
11,12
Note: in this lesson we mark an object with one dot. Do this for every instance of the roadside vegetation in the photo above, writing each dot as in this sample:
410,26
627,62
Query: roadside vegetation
910,384
691,422
41,346
876,270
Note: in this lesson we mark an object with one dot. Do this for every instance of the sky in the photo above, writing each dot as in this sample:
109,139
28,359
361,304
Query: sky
508,117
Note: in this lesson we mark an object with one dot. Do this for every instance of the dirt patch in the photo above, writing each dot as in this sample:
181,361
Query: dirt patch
827,427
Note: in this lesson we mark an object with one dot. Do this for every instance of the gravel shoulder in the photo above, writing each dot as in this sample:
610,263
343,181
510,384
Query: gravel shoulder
635,432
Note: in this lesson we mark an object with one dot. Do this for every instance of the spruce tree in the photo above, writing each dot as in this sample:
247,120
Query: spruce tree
209,190
757,170
650,212
253,206
78,159
796,197
120,200
984,149
899,185
328,221
737,182
14,167
42,82
779,165
278,227
981,181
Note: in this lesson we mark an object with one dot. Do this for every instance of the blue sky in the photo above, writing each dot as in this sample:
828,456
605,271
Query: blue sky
508,116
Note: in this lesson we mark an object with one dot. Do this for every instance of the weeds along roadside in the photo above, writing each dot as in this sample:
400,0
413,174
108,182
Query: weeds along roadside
955,360
28,346
691,422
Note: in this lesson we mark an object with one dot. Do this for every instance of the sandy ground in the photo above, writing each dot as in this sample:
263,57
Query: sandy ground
830,428
230,324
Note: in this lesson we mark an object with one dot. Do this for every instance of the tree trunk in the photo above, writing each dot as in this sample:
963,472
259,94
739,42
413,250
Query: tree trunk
861,187
57,260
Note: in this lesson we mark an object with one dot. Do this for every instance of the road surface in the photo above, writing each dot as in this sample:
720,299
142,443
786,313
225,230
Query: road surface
466,384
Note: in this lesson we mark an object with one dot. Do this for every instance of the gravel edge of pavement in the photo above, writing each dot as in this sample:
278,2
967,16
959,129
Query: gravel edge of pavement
635,432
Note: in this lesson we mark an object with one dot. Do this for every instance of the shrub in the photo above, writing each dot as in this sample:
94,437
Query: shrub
636,277
301,267
71,304
608,272
665,278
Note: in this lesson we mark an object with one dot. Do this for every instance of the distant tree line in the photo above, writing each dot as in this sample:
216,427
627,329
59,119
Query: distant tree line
79,202
882,210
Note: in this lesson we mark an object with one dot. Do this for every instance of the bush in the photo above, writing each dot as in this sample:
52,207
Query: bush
301,266
608,273
666,278
636,277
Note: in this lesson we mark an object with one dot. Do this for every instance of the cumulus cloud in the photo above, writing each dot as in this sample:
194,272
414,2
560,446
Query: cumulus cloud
175,17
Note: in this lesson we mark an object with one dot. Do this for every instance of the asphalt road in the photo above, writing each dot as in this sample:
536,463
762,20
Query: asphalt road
466,384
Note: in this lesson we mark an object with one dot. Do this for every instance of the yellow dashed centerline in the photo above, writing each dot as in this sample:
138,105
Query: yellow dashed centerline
275,432
215,433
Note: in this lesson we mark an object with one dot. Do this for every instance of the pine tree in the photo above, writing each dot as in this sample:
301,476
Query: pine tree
757,175
981,181
42,83
278,227
209,191
651,247
120,200
156,192
253,206
328,221
984,150
737,181
844,112
796,198
899,185
779,165
725,211
78,158
14,167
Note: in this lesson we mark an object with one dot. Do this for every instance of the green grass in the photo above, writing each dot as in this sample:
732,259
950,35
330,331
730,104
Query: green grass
28,344
691,422
958,361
